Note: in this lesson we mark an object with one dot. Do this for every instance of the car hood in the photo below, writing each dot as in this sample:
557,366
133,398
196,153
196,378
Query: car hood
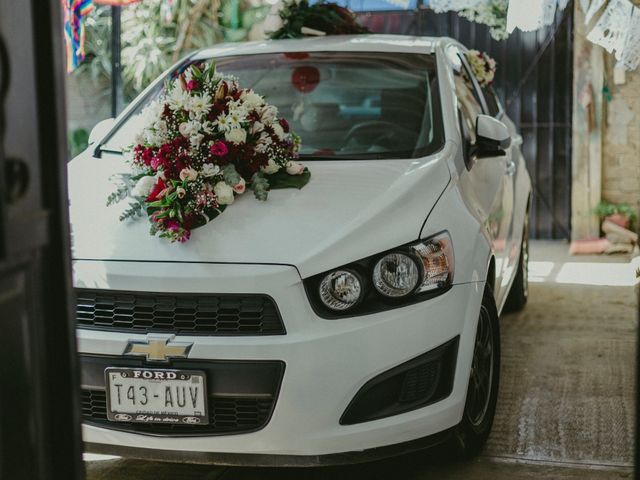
349,210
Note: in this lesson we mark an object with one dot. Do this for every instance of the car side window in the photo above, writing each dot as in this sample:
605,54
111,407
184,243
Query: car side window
469,106
491,99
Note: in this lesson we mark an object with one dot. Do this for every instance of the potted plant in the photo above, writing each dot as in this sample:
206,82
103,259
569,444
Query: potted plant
621,214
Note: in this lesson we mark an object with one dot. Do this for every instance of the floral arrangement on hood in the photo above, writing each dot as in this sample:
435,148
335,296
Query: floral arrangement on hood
205,141
300,19
483,66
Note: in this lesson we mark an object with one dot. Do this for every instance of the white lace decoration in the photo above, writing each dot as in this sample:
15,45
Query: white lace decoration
630,56
611,28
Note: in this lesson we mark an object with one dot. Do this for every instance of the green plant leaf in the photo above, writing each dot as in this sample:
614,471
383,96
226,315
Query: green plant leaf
254,15
282,179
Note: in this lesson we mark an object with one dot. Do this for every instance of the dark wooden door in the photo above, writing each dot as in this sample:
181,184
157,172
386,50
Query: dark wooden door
534,83
39,399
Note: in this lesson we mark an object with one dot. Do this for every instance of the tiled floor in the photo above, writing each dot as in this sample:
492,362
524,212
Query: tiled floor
566,405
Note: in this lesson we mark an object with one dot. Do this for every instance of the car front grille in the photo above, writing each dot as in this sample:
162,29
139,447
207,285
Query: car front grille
226,416
191,314
241,394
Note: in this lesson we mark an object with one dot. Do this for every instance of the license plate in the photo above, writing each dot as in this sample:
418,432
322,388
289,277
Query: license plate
156,396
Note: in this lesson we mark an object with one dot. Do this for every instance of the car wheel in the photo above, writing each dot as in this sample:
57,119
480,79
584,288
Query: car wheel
519,293
471,433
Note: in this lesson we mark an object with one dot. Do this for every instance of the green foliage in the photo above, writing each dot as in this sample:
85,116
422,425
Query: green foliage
135,210
78,142
156,34
260,186
605,209
492,13
230,175
282,179
121,192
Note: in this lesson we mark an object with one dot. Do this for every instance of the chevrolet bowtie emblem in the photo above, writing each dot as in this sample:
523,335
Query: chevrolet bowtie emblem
158,349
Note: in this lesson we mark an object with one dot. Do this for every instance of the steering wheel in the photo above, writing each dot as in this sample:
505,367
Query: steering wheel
385,133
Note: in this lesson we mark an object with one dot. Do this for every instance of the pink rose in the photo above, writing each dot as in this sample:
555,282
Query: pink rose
295,168
240,187
188,174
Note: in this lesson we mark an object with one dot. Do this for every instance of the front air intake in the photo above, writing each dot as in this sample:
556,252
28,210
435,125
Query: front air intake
414,384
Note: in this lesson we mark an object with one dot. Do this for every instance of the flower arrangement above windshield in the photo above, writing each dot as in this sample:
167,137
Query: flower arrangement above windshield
483,66
204,142
300,19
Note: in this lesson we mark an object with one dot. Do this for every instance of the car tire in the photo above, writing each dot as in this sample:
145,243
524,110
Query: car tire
519,293
470,435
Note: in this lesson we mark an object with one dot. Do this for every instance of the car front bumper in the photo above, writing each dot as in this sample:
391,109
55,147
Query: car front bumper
326,362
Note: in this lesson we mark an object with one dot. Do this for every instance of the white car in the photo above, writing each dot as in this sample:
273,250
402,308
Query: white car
353,319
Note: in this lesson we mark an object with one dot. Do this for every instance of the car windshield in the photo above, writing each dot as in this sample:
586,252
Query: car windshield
344,105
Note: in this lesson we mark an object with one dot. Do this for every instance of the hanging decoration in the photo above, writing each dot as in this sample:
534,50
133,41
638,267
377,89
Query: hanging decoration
116,3
300,19
610,30
483,66
441,6
629,57
75,12
617,29
492,13
529,16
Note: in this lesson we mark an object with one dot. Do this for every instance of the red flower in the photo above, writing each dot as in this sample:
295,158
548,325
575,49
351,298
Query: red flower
192,85
219,149
157,188
284,124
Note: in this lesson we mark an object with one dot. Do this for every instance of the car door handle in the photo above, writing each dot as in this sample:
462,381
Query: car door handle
511,167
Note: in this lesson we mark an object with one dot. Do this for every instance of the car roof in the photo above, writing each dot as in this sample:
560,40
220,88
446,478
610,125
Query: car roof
341,43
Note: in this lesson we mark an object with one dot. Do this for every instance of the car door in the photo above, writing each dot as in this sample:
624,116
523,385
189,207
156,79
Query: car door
487,181
515,161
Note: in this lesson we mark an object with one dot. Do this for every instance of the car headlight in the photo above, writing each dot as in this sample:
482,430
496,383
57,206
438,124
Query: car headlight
404,275
396,275
436,256
341,290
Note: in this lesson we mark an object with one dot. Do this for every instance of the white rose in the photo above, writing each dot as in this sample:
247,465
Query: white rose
210,170
188,174
236,135
271,167
144,186
251,99
295,168
257,127
278,130
224,193
196,140
268,114
181,192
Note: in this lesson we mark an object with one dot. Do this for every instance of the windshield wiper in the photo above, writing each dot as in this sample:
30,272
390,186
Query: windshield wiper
97,152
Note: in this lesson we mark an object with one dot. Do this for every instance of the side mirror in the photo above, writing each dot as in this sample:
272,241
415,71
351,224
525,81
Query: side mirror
101,129
492,137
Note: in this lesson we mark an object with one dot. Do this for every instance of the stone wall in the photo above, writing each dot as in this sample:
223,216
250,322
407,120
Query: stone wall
621,146
606,133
